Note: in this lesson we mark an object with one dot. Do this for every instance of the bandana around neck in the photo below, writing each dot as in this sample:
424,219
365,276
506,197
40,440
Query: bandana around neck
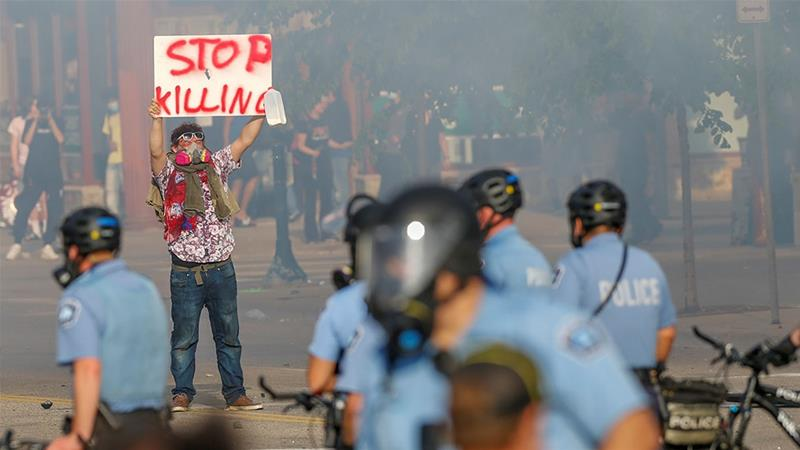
184,200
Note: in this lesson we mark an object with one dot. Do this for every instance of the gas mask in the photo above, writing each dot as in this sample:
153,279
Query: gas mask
67,273
113,107
192,153
410,329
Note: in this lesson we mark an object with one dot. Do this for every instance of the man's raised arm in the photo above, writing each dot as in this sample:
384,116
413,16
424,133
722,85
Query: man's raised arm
157,156
249,135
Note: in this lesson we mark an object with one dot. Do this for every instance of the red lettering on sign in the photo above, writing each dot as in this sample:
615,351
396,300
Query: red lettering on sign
234,53
201,50
177,57
260,51
186,107
260,103
205,101
162,99
239,95
224,96
203,106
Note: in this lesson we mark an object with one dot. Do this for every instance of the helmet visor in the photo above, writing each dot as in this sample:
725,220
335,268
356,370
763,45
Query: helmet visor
400,260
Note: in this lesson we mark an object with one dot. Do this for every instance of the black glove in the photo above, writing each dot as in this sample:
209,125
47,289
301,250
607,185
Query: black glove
783,352
765,354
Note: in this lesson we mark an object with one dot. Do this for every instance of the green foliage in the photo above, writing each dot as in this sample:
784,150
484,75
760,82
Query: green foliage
554,58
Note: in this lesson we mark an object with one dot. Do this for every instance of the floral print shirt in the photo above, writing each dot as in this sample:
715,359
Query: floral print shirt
211,240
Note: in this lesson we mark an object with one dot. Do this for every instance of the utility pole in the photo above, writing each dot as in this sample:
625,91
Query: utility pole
756,12
761,92
284,268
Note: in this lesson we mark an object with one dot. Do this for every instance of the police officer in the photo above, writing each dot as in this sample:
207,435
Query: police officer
510,261
429,304
345,309
623,286
113,332
496,400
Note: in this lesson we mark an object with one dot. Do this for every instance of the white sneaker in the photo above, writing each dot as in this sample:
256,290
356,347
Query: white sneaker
48,253
14,252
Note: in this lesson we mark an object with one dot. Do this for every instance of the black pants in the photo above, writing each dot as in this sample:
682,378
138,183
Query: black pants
25,202
309,194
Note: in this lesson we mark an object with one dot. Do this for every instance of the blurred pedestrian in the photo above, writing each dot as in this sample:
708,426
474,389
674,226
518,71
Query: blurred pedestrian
191,196
392,163
311,138
495,401
245,180
42,175
19,156
112,332
112,129
340,145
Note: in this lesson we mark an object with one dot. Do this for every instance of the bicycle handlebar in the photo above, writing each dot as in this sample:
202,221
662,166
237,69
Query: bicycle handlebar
726,350
704,337
305,399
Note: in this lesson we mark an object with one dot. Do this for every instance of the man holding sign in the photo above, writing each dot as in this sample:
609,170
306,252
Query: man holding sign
191,194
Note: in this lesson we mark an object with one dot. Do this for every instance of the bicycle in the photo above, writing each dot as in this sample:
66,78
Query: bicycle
772,399
334,410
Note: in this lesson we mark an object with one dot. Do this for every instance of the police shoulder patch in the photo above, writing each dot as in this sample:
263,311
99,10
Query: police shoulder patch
582,338
558,275
68,313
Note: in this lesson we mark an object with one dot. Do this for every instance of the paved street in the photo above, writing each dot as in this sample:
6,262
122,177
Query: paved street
276,324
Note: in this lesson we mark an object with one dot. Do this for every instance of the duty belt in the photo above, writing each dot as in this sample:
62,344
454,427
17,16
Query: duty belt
647,375
199,268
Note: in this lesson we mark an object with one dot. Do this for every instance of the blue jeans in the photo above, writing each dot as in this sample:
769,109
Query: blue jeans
218,295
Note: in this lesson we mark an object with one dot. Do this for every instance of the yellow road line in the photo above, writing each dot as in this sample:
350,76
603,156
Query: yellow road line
249,415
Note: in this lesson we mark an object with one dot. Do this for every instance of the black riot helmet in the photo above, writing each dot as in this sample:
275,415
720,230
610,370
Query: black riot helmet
362,213
598,202
424,231
90,229
498,189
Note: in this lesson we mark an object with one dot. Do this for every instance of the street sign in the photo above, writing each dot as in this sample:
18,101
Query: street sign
752,11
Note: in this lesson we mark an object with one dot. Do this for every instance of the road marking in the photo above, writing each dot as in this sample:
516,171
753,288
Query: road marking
772,375
251,415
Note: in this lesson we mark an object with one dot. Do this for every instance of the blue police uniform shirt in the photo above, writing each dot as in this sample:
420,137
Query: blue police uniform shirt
337,324
117,316
640,306
511,262
586,384
396,407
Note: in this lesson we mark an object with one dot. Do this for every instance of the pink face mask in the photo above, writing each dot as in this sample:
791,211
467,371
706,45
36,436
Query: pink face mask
194,153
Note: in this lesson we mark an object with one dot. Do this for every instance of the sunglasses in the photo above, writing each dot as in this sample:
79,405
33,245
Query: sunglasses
189,135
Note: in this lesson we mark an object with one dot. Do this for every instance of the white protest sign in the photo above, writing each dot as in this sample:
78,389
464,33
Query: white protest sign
213,75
